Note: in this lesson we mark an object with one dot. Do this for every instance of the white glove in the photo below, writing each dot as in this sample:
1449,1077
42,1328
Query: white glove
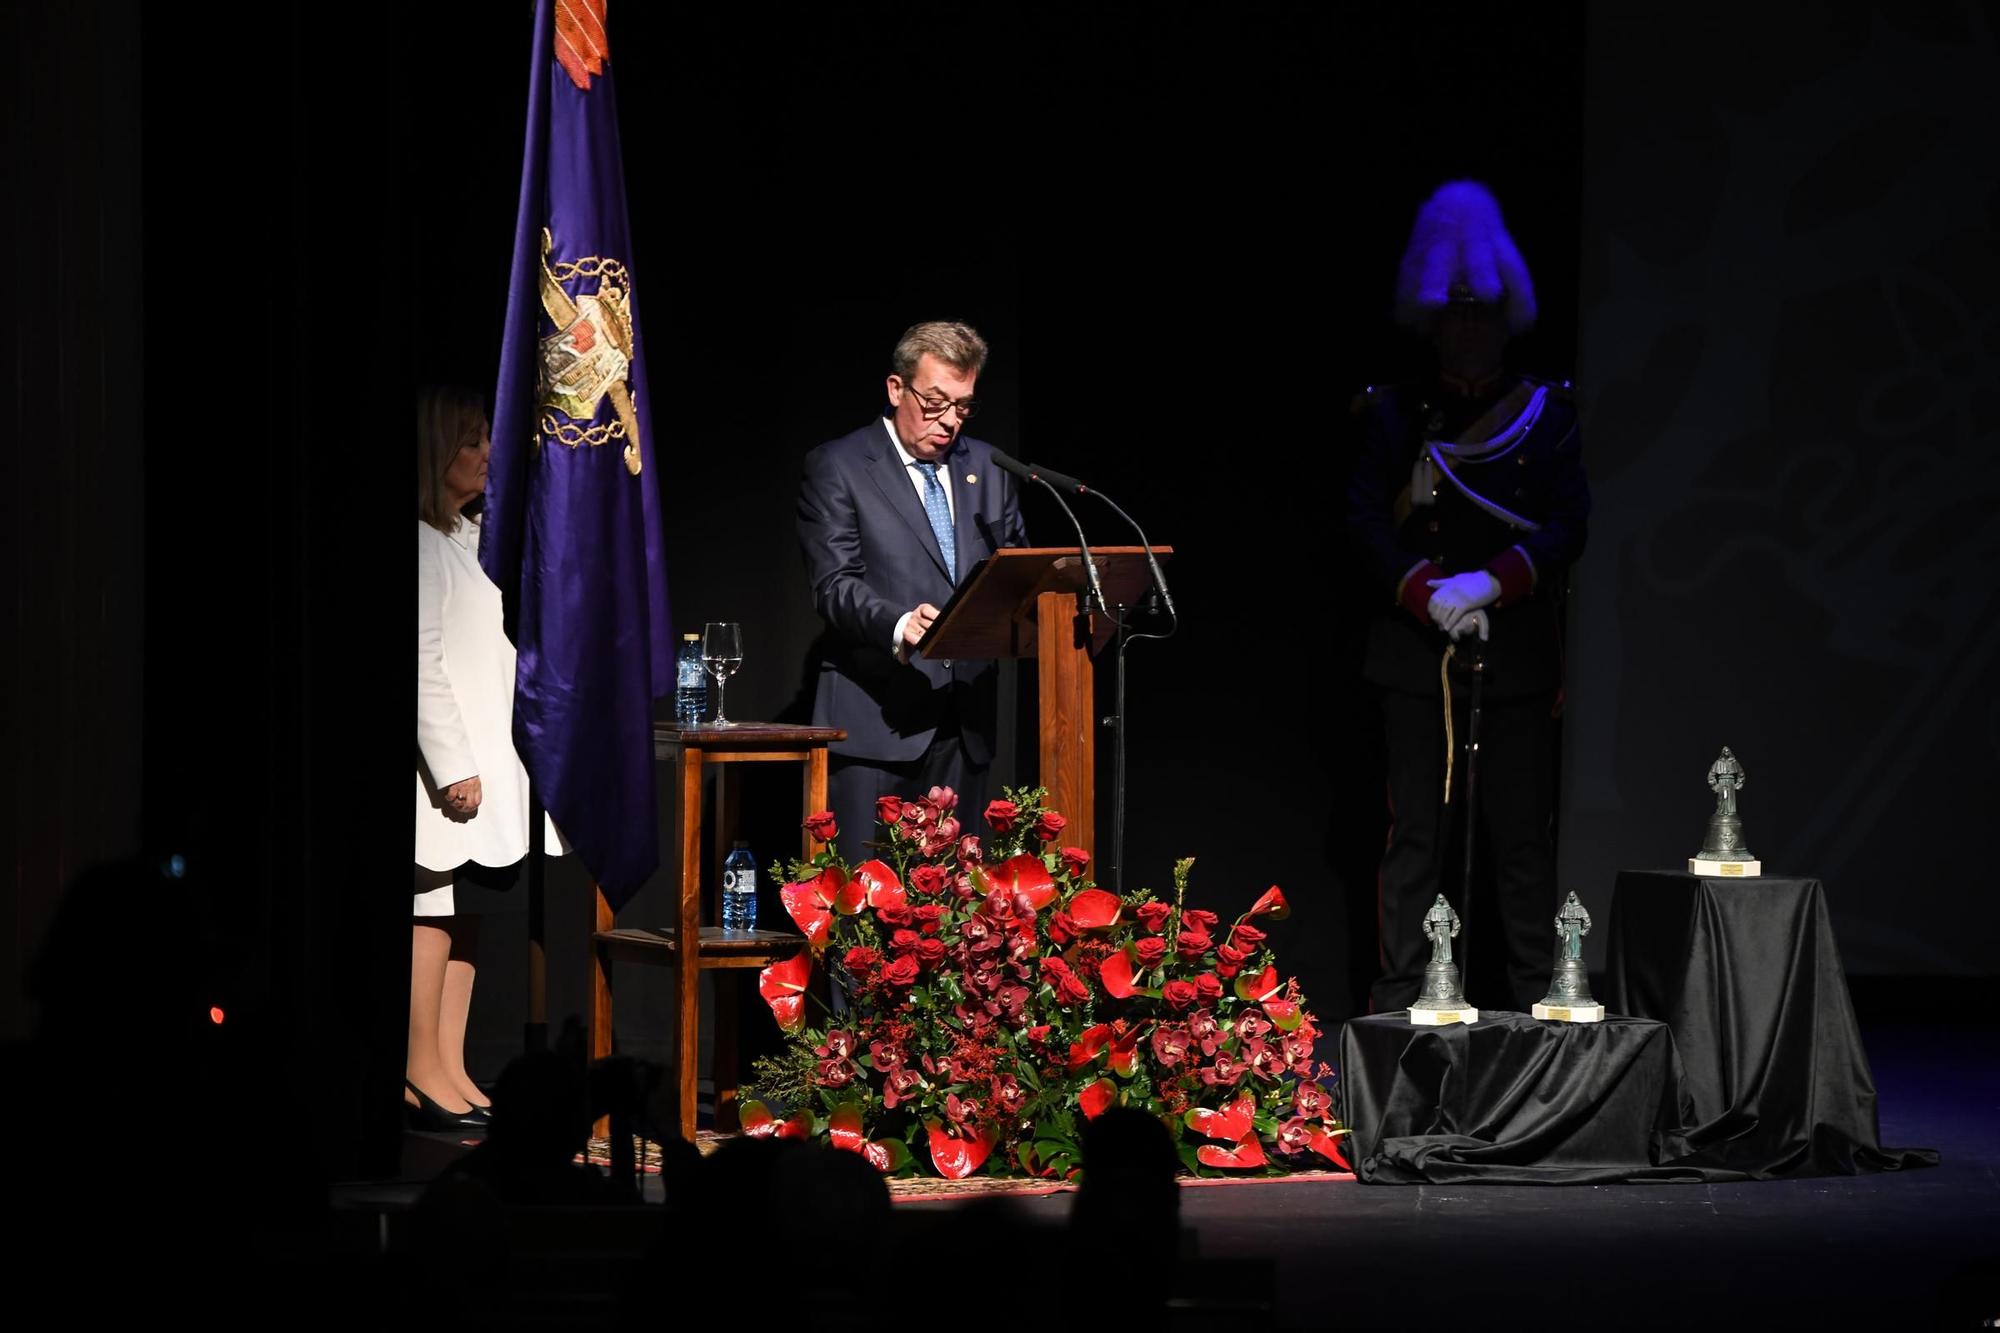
1459,595
1470,622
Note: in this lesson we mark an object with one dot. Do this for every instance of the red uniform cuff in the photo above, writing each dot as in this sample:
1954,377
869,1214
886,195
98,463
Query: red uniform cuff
1415,592
1516,574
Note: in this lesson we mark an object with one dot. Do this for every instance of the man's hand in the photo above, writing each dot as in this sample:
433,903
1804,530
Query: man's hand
1472,622
919,624
1460,595
462,798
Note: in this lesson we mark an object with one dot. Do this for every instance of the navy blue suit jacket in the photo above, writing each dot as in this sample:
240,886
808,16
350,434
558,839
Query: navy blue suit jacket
871,556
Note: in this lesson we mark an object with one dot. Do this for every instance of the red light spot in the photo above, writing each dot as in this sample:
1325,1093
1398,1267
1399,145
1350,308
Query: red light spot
215,1014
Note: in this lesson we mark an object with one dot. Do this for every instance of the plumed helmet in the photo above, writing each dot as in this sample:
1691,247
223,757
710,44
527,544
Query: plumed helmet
1460,251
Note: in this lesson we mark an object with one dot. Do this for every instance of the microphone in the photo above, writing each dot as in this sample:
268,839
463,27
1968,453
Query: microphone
1017,468
1057,481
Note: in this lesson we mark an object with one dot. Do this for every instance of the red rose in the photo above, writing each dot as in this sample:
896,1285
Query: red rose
1062,926
1050,826
1247,936
1075,860
928,880
822,826
1179,995
1071,992
1198,918
1193,942
1230,961
896,914
930,950
1054,968
929,918
861,961
1153,916
1001,815
902,972
888,809
1151,950
903,941
1208,988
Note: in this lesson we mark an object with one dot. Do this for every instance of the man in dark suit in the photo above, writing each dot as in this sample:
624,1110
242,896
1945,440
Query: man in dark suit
1467,505
891,518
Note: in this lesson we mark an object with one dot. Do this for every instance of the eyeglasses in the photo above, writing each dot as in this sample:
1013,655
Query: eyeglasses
934,406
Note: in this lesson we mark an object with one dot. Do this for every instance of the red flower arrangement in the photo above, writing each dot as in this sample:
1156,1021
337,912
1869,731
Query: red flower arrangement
996,999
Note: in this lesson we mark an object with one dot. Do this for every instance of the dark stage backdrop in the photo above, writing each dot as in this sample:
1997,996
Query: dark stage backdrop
1180,233
1790,292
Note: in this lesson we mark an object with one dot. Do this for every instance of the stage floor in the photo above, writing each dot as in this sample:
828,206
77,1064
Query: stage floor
1889,1250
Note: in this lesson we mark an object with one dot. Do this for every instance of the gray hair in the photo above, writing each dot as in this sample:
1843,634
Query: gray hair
957,345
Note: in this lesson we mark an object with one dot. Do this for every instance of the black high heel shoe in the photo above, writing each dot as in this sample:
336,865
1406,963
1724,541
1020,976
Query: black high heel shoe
428,1116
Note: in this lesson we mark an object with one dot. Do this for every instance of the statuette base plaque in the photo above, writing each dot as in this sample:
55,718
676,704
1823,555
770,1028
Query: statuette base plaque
1570,1013
1437,1018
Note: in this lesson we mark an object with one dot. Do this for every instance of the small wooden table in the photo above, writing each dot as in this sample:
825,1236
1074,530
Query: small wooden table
691,752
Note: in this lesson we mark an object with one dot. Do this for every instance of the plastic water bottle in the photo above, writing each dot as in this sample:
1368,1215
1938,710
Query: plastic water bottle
739,890
690,684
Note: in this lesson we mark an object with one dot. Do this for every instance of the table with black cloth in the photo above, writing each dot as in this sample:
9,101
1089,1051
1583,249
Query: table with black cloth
1746,973
1512,1100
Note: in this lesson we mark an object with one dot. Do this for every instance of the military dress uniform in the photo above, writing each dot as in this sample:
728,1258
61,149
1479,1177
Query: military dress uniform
1503,490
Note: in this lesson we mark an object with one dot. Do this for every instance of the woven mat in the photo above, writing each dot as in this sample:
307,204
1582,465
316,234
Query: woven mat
921,1187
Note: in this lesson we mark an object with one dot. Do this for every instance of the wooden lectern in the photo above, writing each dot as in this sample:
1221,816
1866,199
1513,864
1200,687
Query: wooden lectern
1028,602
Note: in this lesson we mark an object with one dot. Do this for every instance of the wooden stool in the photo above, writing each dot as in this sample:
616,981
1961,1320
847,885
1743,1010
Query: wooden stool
692,751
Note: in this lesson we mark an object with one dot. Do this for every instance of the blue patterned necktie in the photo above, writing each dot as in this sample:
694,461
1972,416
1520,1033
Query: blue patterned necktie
939,510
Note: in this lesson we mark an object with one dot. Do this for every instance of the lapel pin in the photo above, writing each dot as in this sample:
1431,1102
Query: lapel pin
971,479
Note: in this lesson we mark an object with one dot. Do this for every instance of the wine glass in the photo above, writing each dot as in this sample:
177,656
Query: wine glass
721,655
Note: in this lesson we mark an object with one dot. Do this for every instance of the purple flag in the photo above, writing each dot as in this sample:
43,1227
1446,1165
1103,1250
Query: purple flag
572,527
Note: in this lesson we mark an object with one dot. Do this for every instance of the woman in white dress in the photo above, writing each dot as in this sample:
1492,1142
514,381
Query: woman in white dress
472,793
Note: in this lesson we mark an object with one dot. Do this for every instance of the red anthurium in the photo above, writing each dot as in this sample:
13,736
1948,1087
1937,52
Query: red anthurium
1244,1155
1329,1146
783,986
955,1159
1024,874
843,1127
886,1155
1116,973
1123,1056
880,884
1257,987
1088,1046
1233,1123
1272,904
1094,909
811,902
1098,1096
758,1122
1284,1013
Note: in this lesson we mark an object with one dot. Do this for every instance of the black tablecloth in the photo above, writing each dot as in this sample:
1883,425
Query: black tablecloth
1747,974
1513,1099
